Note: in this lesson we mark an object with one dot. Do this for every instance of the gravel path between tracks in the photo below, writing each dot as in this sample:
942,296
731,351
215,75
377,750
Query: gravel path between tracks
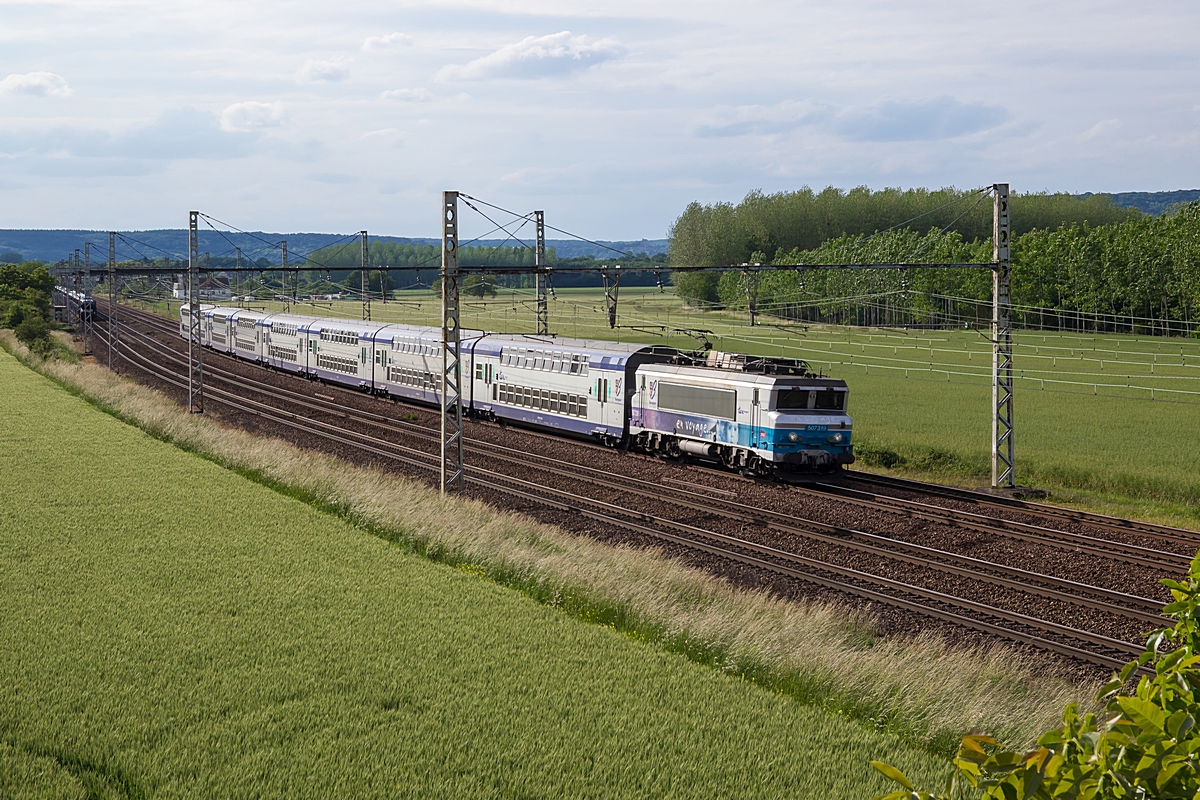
992,547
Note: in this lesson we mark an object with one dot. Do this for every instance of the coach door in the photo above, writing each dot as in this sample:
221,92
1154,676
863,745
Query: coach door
379,371
608,391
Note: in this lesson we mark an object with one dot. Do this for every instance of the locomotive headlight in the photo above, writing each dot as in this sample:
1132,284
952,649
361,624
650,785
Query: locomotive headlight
792,437
836,438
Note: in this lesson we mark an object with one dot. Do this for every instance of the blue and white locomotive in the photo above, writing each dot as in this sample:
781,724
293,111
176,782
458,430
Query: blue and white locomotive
760,416
756,415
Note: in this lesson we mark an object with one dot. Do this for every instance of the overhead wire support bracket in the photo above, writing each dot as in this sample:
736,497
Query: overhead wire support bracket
612,289
452,467
195,351
751,282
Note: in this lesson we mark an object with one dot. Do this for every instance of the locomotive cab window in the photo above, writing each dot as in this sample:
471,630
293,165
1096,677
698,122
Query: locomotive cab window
803,398
829,400
791,398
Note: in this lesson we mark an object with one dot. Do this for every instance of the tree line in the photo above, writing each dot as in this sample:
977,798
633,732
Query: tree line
769,224
1117,274
25,298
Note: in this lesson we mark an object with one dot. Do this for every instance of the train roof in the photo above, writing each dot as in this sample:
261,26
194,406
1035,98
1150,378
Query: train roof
600,353
728,376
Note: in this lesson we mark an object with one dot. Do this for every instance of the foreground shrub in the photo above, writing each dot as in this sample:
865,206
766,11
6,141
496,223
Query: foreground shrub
34,333
1146,745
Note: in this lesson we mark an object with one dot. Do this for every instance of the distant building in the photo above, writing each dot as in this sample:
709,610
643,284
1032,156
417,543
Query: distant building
212,287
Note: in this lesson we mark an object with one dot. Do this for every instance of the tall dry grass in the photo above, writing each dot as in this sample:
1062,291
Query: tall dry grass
921,688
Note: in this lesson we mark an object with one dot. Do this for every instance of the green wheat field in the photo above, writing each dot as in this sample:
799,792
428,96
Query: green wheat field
170,629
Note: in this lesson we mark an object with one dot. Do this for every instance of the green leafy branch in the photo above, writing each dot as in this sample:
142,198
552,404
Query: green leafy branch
1145,745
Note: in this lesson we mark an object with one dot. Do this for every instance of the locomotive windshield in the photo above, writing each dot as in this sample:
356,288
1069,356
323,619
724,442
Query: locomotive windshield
801,398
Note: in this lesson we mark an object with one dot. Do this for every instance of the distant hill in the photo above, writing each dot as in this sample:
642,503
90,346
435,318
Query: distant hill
1151,202
53,245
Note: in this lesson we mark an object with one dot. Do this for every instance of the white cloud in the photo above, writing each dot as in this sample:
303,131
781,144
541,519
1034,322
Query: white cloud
39,84
1101,127
395,39
330,71
252,115
536,57
408,95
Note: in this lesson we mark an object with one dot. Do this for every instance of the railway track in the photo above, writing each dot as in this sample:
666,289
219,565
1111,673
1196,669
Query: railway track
1043,511
698,520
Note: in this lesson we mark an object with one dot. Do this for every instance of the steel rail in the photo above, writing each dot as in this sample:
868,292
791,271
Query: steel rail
1129,553
1103,521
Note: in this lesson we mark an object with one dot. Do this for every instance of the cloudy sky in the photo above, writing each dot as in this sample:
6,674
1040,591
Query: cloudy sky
611,116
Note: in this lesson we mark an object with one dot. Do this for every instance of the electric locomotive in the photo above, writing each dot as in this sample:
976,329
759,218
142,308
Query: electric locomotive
757,415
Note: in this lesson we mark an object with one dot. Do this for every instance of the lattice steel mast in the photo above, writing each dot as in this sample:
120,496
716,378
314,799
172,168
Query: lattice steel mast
366,282
452,413
543,281
195,351
1003,460
113,325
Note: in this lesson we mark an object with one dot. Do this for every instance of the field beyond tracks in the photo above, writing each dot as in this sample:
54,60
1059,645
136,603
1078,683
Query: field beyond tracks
169,629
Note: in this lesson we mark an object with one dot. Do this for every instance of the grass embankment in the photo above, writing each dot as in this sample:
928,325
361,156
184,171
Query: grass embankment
813,654
1087,429
168,628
